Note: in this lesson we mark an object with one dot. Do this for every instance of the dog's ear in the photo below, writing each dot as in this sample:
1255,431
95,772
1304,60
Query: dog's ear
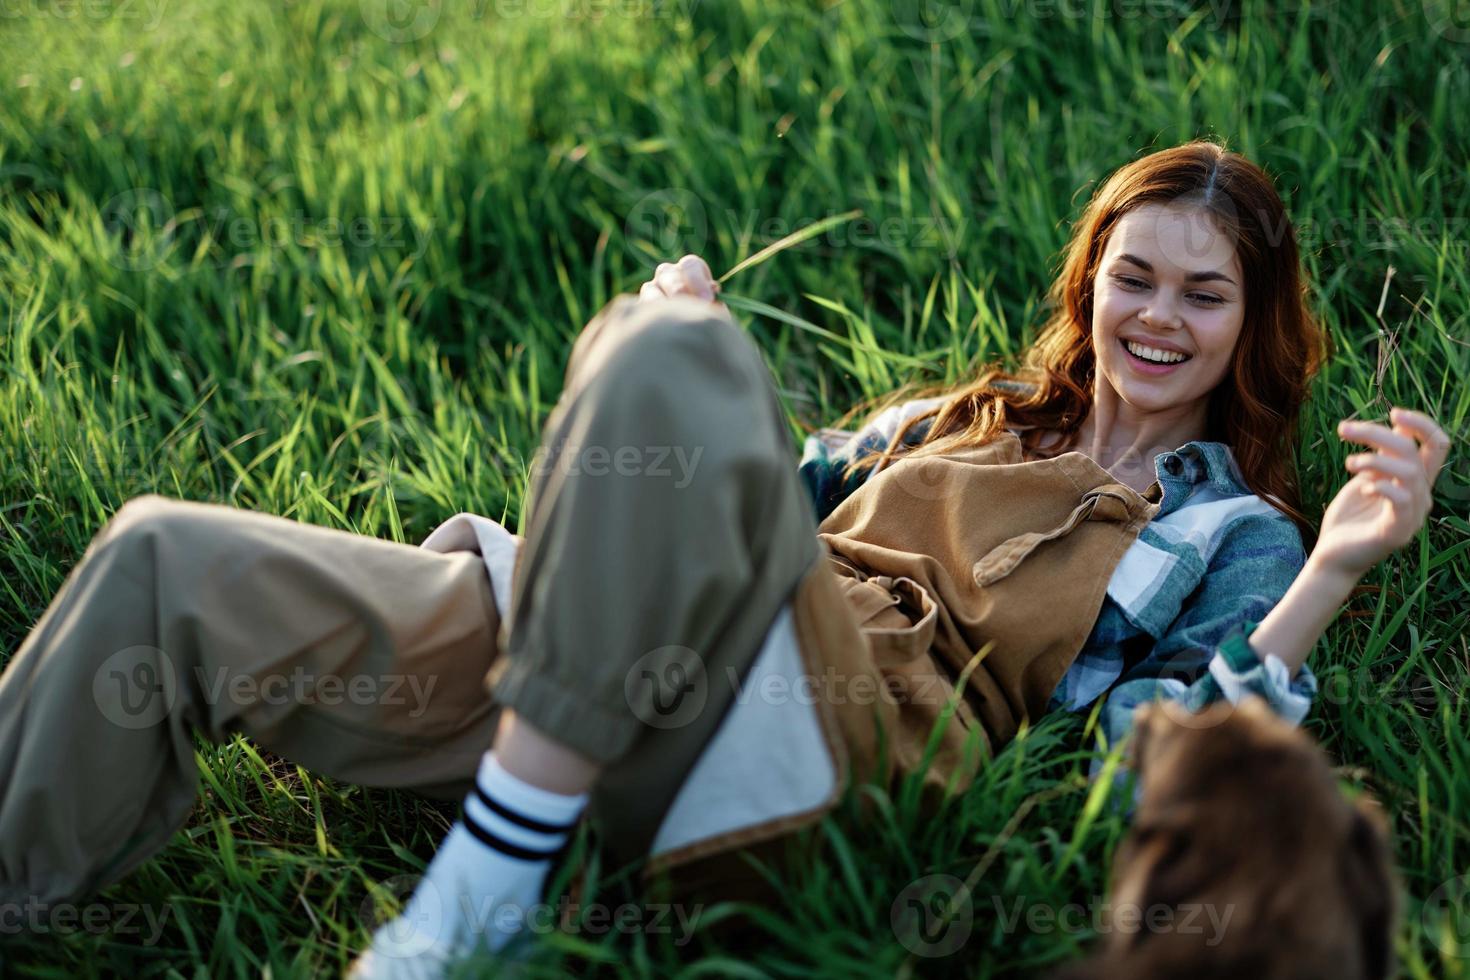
1368,883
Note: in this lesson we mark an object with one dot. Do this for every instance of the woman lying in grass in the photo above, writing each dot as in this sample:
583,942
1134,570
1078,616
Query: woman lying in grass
1117,522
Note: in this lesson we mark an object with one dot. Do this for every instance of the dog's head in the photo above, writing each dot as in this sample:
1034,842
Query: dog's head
1241,826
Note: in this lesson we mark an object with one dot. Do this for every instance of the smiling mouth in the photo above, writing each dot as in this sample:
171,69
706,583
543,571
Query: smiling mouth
1152,356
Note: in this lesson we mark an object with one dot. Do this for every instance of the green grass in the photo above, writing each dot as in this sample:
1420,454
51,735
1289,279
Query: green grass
262,254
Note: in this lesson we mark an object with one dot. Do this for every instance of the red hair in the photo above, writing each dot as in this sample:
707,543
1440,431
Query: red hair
1255,408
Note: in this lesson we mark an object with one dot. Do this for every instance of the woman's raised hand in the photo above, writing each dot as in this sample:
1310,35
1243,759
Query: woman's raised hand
690,276
1388,499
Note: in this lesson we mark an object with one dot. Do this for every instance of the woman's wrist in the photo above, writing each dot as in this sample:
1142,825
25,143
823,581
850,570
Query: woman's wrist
1331,576
1291,629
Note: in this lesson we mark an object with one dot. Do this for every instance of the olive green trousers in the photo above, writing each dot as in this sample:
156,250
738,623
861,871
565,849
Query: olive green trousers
666,529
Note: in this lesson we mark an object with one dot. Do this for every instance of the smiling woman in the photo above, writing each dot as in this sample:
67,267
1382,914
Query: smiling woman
1190,250
943,557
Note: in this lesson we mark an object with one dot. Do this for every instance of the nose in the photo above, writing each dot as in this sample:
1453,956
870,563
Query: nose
1160,313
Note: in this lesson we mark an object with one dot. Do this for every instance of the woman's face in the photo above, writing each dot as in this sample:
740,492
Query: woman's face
1169,279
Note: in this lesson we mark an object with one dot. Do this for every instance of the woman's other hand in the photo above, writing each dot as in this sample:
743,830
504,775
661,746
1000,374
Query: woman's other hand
1388,499
690,276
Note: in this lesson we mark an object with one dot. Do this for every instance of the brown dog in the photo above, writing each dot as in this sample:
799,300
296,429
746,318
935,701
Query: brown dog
1241,824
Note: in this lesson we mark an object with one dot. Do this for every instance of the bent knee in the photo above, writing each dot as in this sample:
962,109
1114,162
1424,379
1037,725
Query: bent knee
669,341
147,515
690,354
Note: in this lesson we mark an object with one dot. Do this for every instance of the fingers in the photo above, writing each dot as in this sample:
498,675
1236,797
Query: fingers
668,279
691,276
1379,436
1396,492
697,271
1384,465
1436,443
1398,447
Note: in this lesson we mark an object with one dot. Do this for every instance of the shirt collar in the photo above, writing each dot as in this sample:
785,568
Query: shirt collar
1195,463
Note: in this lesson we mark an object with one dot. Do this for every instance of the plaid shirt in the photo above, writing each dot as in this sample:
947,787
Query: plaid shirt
1181,602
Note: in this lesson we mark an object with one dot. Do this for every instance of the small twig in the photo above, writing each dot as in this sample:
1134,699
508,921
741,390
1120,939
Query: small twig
795,238
1387,339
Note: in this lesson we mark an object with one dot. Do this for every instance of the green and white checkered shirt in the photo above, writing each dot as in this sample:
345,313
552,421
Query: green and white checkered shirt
1183,599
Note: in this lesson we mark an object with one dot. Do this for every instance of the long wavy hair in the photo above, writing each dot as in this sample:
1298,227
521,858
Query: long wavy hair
1255,408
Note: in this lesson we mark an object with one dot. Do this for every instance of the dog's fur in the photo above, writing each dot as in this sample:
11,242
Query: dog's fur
1241,811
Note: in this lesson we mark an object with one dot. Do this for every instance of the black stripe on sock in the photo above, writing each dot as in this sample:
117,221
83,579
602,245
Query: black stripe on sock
506,847
520,819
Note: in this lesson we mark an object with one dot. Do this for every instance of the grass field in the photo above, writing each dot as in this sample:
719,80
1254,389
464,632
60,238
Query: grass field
325,258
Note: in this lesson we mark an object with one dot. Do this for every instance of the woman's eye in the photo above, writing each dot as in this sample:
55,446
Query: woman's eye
1207,299
1129,283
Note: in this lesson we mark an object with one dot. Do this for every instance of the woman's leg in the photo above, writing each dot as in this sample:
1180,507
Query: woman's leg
666,529
357,657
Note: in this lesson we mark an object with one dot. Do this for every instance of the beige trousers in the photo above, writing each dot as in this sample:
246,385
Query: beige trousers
666,529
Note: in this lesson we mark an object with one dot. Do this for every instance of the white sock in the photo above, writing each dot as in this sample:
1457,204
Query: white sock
488,873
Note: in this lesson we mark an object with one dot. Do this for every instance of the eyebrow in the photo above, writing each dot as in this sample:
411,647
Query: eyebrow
1208,276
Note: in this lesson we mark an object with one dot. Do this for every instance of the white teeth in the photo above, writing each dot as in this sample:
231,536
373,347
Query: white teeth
1154,354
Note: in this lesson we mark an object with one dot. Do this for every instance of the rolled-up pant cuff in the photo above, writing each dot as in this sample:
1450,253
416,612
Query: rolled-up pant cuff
560,709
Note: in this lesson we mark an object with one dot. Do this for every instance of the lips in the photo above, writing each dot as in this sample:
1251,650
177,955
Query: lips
1148,367
1166,345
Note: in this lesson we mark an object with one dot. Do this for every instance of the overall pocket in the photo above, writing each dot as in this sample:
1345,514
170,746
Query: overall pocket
1099,504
